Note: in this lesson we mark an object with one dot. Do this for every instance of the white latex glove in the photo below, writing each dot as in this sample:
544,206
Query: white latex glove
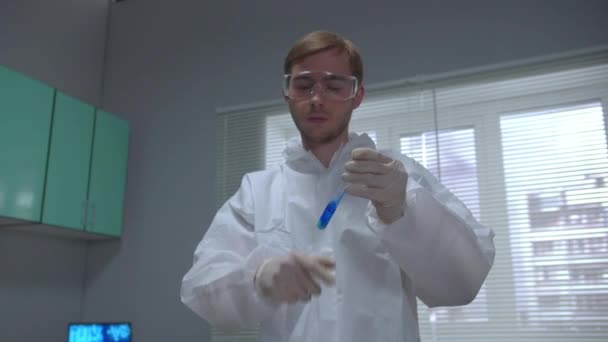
378,178
292,278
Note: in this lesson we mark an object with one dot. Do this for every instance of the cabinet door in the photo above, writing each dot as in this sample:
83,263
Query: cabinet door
69,160
108,174
25,124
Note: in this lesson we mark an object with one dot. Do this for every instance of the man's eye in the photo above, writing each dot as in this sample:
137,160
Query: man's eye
336,85
302,87
302,84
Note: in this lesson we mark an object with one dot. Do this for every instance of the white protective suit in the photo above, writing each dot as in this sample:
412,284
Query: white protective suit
436,252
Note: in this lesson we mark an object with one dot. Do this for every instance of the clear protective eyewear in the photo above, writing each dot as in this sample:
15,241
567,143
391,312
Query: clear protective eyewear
304,85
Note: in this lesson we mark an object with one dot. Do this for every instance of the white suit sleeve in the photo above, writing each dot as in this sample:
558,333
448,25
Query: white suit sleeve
439,245
219,285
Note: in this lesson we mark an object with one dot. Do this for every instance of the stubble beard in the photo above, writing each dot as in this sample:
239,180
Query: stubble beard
311,140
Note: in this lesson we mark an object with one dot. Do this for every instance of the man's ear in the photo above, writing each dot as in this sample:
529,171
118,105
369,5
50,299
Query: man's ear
284,96
358,96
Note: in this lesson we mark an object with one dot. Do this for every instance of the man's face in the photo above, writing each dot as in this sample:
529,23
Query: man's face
320,118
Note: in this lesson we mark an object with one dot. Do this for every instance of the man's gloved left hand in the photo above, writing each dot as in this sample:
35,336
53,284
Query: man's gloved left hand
378,178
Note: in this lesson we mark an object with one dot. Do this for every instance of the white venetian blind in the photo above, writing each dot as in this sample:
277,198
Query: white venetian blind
525,148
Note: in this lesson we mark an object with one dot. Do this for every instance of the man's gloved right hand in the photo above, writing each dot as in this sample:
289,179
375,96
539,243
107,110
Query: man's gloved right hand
292,278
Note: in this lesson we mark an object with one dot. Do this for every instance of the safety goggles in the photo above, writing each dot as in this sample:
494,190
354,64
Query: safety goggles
303,85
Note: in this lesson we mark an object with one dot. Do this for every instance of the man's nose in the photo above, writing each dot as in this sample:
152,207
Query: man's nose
316,92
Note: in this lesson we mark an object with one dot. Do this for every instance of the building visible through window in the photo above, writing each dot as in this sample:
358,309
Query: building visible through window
556,169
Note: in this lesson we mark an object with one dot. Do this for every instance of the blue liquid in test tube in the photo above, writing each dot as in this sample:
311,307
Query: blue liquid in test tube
329,211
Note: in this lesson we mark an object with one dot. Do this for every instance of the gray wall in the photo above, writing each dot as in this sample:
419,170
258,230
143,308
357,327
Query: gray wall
172,63
62,44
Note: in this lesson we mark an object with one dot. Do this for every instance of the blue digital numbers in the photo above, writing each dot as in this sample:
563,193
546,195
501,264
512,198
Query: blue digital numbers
89,332
119,332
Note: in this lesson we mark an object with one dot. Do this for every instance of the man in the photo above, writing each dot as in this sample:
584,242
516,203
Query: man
397,235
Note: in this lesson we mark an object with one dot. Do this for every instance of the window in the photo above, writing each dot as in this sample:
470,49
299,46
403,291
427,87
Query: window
558,216
455,163
525,148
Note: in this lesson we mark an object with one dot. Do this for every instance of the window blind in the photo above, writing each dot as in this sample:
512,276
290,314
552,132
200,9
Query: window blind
525,148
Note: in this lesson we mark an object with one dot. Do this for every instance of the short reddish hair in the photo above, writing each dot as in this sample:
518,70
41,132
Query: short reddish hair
319,41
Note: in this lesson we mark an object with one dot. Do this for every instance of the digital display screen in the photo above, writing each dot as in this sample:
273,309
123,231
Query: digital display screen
99,332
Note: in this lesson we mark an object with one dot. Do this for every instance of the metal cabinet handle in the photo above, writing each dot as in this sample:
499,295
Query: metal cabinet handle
83,218
93,215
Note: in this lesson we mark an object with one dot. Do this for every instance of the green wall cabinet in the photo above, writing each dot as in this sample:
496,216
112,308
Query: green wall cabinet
65,200
63,163
108,174
25,119
87,169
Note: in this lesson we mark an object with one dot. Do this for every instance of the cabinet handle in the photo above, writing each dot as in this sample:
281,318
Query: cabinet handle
83,218
93,215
